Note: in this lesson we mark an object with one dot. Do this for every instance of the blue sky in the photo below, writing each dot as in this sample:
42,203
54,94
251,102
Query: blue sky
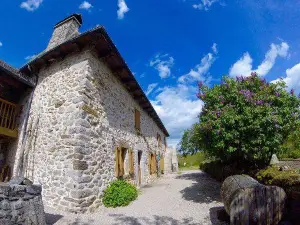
171,44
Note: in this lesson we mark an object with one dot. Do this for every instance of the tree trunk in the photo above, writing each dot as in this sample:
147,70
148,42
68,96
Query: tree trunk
249,202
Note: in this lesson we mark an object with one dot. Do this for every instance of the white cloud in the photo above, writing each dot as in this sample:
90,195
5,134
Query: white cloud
292,78
214,48
31,5
123,8
1,44
178,108
244,65
177,105
151,88
30,57
85,5
163,64
201,70
205,4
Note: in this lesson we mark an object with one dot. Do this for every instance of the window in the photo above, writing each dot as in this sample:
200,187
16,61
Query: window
159,141
137,117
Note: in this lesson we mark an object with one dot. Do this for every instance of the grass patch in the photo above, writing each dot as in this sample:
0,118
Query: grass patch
190,161
189,168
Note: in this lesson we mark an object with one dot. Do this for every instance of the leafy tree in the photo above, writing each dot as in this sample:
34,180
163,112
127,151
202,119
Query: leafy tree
291,147
246,119
190,141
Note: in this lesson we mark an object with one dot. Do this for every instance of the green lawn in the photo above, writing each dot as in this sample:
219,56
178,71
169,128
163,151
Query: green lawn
190,162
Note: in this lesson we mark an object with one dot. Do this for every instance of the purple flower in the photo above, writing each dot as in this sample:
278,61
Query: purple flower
218,113
253,74
263,80
247,94
259,102
200,84
277,94
239,78
277,126
292,91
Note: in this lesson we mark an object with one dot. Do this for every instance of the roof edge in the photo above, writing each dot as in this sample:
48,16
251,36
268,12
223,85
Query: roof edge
102,30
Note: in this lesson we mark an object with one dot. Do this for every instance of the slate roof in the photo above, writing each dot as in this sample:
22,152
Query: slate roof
98,39
15,73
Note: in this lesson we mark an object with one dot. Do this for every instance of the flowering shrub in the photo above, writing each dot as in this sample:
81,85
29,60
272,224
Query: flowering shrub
246,119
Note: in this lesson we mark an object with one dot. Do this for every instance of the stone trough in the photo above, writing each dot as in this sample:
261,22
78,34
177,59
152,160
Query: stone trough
21,203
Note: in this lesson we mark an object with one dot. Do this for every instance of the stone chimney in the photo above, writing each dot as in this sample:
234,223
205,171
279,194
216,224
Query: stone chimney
65,30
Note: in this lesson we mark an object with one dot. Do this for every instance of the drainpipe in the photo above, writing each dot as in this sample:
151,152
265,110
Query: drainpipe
19,166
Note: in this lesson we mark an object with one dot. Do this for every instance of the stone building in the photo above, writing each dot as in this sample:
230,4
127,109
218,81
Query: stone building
171,160
74,118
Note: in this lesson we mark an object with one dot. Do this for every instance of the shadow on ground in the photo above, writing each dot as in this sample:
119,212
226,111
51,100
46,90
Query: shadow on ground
53,218
203,190
121,219
218,216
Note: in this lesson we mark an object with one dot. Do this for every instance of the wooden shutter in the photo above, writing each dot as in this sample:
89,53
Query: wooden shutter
137,117
149,163
131,162
155,163
117,153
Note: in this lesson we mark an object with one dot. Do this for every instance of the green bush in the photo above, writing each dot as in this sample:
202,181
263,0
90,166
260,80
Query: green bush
290,154
273,176
219,170
119,193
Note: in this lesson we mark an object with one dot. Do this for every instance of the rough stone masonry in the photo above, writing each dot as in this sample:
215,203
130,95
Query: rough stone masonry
80,113
21,204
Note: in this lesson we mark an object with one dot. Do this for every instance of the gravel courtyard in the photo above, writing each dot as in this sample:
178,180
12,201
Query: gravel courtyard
189,198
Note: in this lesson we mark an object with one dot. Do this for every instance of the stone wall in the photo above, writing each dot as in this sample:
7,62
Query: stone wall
21,205
171,160
79,114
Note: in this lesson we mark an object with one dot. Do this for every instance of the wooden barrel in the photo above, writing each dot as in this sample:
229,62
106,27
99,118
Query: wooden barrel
249,202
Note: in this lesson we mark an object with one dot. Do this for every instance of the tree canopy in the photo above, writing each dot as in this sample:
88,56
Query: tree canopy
244,119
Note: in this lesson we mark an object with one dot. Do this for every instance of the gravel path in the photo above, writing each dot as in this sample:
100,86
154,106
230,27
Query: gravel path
187,199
